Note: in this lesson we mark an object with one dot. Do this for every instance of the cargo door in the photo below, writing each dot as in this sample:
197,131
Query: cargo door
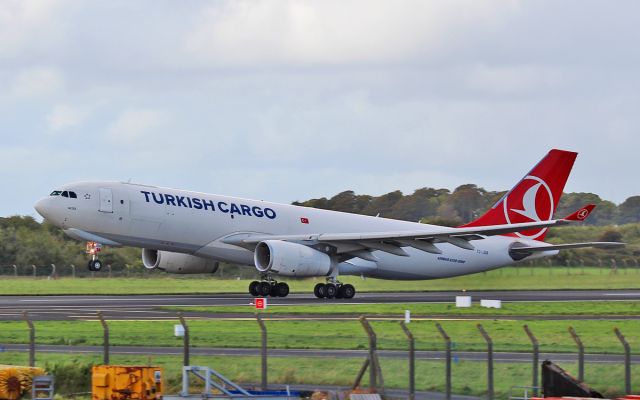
106,200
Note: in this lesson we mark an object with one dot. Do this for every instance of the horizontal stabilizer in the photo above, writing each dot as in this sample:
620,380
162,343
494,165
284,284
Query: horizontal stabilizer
581,214
598,245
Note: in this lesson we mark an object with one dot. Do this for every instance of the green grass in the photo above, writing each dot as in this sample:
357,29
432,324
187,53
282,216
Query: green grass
510,278
467,377
421,310
508,335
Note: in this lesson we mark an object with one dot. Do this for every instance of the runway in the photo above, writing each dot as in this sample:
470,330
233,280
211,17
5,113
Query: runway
150,307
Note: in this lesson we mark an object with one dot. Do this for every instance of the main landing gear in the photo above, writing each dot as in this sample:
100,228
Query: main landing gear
268,288
93,249
333,290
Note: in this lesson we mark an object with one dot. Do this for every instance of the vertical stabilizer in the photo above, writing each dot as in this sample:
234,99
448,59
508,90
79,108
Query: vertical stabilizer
534,198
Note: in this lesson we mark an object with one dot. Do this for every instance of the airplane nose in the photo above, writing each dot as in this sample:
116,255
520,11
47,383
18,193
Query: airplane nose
42,207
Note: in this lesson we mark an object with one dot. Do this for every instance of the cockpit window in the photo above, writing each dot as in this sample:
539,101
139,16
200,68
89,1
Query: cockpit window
66,193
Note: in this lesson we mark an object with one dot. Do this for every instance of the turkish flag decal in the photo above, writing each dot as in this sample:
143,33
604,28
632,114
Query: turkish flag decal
304,220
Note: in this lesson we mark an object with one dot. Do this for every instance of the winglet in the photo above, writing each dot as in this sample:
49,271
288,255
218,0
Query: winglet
581,214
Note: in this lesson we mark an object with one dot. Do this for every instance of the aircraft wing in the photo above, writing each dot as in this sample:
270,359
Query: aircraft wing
361,244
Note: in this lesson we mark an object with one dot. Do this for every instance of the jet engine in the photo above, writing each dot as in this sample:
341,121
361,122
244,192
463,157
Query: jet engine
290,259
177,263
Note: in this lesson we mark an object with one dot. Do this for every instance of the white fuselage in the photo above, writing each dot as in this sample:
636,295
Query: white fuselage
197,223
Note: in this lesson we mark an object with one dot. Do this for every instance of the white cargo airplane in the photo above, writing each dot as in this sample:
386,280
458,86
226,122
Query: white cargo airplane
189,232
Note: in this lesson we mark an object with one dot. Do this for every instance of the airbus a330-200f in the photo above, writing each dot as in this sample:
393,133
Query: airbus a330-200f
186,232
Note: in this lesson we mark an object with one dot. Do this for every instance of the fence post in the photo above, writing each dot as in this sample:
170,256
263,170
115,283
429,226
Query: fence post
447,340
536,357
373,365
263,351
576,338
73,271
105,342
185,361
412,361
32,339
34,270
627,361
15,270
53,271
487,338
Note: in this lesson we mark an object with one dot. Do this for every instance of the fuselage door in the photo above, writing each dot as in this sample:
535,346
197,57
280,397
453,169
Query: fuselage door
106,200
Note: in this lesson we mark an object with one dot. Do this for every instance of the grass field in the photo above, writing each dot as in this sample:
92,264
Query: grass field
508,335
582,308
467,377
509,278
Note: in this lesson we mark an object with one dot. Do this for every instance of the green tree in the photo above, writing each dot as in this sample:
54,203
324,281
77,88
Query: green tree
629,210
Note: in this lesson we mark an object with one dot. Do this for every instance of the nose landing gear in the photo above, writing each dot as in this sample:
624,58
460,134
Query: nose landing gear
93,249
268,287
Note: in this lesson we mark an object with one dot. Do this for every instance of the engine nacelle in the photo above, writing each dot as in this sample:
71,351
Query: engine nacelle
177,263
290,259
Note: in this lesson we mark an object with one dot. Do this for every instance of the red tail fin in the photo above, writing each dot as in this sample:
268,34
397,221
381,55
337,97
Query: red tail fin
534,198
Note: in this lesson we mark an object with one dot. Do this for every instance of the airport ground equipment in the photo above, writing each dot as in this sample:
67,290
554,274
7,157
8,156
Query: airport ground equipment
15,381
215,381
120,382
42,387
556,382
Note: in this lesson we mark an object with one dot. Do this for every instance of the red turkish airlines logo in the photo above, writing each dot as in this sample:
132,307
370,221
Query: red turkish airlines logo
530,201
582,214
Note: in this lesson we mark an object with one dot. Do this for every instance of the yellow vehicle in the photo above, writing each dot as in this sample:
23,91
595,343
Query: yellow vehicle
119,382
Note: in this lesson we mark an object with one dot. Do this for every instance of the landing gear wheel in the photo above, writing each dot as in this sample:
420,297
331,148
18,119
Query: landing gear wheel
264,289
320,290
330,290
253,288
282,289
94,265
274,290
347,291
339,294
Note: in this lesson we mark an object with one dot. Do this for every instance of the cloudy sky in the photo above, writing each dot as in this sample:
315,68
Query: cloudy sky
289,100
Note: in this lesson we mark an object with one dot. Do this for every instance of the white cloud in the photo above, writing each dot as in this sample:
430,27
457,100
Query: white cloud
65,116
133,126
37,81
29,24
509,79
332,32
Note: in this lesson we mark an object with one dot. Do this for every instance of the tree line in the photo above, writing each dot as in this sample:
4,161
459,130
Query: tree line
464,204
